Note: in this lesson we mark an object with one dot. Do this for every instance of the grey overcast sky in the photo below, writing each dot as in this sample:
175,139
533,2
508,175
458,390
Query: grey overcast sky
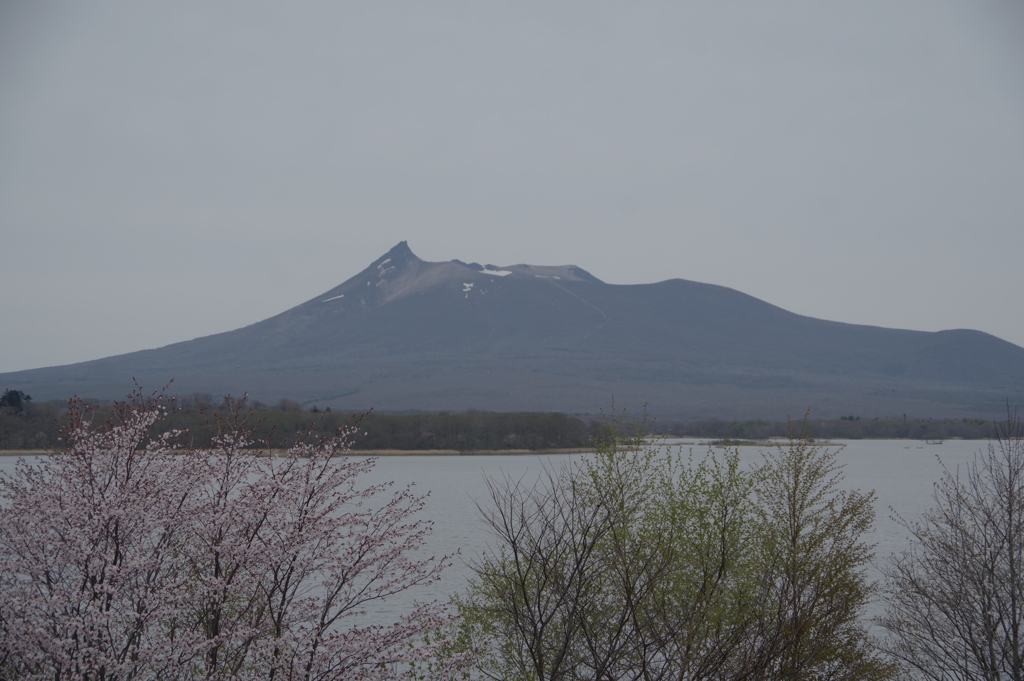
174,169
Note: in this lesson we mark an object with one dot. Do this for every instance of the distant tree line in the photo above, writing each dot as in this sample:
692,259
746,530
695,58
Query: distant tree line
473,430
843,428
25,424
36,426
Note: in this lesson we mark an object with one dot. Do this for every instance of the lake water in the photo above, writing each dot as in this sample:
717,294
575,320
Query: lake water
901,473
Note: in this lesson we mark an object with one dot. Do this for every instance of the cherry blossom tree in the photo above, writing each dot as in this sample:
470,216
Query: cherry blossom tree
133,556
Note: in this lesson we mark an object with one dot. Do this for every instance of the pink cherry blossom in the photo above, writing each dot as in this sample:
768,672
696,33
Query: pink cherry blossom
132,556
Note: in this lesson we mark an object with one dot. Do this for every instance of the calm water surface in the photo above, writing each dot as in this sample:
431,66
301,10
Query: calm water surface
900,472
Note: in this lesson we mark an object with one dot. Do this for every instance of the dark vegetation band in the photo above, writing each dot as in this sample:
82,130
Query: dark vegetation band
30,425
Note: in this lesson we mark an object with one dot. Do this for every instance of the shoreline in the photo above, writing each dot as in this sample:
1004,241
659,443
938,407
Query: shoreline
396,452
521,452
376,452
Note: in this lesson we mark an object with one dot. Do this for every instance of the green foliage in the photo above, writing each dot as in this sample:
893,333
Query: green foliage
811,535
643,563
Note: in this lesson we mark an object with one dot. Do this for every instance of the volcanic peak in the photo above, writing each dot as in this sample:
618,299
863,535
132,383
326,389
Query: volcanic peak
400,273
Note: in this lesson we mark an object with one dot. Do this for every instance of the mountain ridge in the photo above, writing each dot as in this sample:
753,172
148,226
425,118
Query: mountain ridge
405,333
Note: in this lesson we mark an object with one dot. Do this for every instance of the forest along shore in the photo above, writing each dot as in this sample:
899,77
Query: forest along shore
34,427
373,452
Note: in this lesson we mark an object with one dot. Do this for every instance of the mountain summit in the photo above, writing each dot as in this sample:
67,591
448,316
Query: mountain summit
400,273
410,334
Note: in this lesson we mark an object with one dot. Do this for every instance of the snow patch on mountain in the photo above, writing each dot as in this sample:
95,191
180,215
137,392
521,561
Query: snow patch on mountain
384,271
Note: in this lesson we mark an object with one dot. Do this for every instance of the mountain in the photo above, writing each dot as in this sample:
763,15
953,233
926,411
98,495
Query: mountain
405,334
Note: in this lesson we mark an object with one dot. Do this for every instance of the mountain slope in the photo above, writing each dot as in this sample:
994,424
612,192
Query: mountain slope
410,334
